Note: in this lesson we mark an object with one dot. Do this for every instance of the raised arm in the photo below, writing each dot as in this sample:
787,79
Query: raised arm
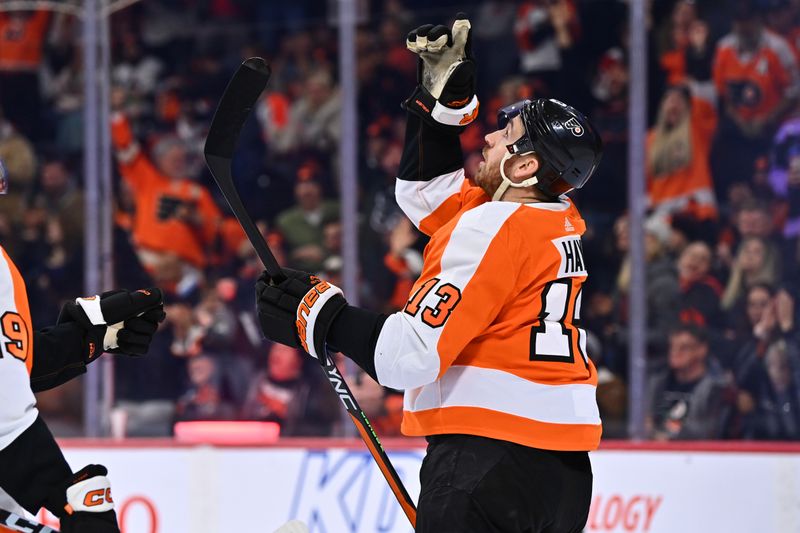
136,168
430,186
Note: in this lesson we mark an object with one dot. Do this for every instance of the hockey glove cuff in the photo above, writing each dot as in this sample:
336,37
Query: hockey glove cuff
117,321
84,503
299,310
445,96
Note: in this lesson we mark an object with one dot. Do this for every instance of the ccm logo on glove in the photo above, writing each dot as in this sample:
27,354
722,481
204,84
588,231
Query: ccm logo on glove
304,314
298,310
97,497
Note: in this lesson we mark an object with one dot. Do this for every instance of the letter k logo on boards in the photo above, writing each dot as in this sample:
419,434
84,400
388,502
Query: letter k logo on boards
338,491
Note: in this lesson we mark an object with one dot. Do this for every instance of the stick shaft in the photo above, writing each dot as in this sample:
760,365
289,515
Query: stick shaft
237,101
217,166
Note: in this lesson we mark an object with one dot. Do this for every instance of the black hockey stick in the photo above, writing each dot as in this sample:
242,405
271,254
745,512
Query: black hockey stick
239,98
9,522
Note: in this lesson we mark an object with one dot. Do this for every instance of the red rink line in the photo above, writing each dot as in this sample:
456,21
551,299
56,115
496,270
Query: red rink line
401,444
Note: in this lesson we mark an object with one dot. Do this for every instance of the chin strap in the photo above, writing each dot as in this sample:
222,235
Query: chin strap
506,183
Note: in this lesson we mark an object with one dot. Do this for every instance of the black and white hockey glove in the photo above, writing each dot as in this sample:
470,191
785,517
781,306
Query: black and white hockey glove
299,310
117,321
84,504
445,96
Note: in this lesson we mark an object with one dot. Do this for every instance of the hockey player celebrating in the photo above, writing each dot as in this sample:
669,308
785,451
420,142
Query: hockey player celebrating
33,471
488,347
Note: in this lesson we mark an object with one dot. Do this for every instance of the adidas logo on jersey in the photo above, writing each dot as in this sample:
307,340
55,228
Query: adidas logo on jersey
568,225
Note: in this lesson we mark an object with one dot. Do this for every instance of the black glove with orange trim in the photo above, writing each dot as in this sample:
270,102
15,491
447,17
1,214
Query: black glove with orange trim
445,96
84,504
298,311
118,321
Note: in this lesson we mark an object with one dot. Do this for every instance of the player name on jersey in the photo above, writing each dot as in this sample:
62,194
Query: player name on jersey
570,249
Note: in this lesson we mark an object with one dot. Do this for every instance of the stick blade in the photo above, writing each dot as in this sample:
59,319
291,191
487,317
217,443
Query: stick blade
239,98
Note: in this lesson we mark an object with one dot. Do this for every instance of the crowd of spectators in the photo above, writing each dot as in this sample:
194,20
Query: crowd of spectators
723,193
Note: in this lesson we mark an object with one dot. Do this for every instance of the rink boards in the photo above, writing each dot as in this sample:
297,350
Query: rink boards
159,487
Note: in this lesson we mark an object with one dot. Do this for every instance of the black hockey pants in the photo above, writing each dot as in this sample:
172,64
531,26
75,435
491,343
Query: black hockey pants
479,485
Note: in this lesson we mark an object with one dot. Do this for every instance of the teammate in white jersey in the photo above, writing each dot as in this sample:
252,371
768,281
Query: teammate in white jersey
33,471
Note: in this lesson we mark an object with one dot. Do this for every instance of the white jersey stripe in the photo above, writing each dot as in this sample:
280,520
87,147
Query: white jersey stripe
418,199
406,354
17,403
471,386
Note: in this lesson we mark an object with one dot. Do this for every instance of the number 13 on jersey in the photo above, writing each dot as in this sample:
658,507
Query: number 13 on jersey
435,316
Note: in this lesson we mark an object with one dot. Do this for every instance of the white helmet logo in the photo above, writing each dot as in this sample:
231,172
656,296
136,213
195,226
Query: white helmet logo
573,126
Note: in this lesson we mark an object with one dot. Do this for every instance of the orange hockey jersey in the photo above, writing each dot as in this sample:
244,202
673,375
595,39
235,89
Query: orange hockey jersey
489,342
17,403
689,188
149,186
22,40
754,83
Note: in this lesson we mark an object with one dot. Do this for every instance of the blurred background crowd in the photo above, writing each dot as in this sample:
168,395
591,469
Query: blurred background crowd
723,186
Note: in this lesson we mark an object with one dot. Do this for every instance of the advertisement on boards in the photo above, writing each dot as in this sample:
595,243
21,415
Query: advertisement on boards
213,490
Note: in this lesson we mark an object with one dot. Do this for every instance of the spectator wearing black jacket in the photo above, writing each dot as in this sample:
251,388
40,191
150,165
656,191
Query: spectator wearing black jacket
771,404
686,400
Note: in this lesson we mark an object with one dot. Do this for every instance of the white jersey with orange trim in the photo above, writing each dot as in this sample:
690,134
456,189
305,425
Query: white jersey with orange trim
17,403
489,342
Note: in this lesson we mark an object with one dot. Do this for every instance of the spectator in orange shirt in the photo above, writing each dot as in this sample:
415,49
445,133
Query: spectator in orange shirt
174,216
756,76
678,147
22,37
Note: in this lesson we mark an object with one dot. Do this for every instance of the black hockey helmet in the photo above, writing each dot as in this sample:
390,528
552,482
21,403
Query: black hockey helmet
569,147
